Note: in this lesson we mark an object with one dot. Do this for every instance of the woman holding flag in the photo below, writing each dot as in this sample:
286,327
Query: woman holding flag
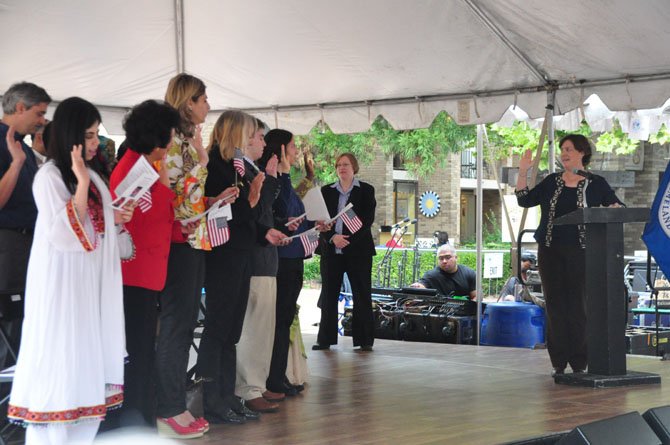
229,267
348,247
288,208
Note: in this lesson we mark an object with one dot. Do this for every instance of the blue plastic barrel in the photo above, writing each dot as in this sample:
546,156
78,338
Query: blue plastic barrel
509,323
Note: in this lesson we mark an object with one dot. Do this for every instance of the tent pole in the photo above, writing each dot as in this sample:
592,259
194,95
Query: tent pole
479,223
549,118
179,34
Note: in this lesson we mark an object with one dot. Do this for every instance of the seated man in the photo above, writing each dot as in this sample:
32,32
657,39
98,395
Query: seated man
449,278
507,293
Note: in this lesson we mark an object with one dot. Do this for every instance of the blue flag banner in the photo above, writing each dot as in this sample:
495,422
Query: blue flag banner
657,231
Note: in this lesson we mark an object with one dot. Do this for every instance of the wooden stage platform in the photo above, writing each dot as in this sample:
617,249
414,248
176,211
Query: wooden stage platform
429,393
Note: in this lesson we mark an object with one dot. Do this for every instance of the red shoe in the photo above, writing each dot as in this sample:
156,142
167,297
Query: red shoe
170,428
202,423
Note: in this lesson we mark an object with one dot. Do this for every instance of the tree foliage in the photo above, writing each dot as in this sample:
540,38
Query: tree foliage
423,150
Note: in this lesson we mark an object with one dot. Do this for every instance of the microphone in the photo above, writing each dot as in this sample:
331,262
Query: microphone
587,175
396,225
414,221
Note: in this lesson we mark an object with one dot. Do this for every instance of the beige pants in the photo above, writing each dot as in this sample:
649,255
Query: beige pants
254,350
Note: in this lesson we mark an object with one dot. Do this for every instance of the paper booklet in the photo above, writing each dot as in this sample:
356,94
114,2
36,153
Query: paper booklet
136,184
315,206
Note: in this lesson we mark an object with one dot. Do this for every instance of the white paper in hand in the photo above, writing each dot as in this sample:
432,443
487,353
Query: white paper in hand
315,206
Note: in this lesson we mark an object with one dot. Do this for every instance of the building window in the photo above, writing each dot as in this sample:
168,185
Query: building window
405,205
468,164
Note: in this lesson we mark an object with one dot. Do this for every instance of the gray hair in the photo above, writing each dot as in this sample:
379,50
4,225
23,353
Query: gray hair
26,92
447,247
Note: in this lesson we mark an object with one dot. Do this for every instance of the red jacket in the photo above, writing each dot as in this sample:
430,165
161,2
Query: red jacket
151,231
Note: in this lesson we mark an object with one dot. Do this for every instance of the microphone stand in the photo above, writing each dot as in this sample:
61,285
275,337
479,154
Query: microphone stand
385,264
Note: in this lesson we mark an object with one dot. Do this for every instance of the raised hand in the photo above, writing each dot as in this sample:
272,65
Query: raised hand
284,164
526,161
14,147
309,165
255,189
271,166
196,142
79,166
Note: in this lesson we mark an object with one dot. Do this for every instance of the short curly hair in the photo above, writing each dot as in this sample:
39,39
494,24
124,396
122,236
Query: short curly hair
149,125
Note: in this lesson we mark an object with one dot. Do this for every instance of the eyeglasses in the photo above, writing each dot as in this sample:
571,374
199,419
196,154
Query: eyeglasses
445,257
338,165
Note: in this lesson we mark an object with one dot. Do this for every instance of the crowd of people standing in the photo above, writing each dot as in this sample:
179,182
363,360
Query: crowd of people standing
113,293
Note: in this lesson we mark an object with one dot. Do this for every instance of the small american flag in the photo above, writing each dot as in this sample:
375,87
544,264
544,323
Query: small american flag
238,162
309,240
352,221
144,203
219,233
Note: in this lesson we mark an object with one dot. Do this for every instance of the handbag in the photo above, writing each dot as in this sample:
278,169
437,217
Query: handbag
194,398
125,243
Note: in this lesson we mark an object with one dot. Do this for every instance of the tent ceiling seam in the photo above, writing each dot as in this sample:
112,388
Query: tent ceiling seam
484,17
179,34
567,85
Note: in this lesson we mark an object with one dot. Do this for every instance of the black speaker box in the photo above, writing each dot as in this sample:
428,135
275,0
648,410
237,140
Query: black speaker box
625,429
659,421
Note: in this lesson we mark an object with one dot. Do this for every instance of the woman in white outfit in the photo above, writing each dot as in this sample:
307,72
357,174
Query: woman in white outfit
70,367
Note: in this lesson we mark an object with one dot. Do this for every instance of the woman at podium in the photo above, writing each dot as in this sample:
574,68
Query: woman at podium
561,258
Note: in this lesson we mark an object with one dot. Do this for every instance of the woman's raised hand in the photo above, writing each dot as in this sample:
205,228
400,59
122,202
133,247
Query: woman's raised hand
284,164
79,166
196,142
526,161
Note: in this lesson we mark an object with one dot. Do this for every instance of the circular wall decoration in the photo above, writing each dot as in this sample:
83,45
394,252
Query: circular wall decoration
429,204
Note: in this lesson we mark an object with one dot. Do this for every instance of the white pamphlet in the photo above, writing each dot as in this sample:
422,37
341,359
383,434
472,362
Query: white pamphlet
315,206
137,182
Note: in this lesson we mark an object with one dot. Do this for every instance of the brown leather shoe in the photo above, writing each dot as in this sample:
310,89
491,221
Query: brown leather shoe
259,404
274,396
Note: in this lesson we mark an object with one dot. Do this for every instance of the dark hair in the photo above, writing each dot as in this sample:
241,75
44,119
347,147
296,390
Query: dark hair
71,120
123,148
581,144
274,139
442,237
260,124
149,125
26,92
352,159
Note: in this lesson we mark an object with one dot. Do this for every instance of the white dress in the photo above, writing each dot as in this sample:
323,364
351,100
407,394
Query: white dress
70,366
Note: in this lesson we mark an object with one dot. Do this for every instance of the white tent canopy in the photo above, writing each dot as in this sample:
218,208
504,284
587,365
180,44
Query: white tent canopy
295,62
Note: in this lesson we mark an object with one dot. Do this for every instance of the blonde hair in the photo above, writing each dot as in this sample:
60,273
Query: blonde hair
232,130
181,88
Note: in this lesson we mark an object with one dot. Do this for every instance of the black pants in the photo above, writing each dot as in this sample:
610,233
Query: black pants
179,304
359,271
562,269
227,293
289,284
141,312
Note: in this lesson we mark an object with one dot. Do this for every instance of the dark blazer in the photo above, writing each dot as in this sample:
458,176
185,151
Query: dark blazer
361,242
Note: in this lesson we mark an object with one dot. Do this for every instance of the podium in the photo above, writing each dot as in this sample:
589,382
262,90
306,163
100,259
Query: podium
605,297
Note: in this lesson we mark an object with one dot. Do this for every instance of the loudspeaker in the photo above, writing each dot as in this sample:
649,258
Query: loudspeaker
659,421
625,429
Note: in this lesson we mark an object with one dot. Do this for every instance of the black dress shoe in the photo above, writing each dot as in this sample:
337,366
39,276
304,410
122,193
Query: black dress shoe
299,388
319,347
227,416
366,348
284,389
246,412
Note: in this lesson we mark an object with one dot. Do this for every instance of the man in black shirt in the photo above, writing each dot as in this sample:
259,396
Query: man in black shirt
449,278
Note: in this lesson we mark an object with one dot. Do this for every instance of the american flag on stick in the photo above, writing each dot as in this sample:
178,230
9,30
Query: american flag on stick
144,203
219,233
238,162
309,240
352,221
